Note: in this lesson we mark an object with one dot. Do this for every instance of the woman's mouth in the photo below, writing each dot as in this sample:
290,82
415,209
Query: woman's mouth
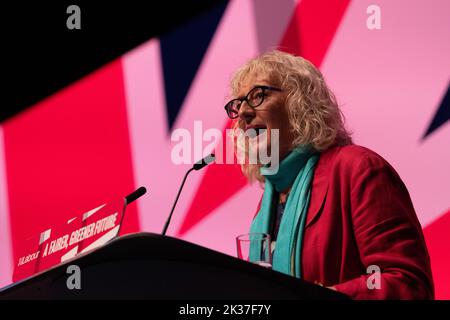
254,131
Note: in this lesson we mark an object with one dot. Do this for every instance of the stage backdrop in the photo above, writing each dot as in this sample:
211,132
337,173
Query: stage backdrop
110,132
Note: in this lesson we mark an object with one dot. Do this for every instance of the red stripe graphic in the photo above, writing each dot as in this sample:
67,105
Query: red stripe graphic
438,239
68,154
312,29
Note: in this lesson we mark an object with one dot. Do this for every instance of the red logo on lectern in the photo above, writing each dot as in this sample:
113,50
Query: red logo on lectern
67,240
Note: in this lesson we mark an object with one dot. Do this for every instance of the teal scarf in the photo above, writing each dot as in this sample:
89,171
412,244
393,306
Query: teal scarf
296,169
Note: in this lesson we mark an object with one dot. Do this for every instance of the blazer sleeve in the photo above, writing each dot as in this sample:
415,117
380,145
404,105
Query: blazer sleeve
388,235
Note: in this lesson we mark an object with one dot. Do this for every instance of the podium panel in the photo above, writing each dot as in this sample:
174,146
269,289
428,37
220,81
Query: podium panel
151,266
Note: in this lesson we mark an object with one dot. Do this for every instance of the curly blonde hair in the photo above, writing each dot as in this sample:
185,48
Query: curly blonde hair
314,115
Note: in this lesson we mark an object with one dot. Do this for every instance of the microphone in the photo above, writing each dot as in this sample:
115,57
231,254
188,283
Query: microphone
136,194
139,192
204,162
197,166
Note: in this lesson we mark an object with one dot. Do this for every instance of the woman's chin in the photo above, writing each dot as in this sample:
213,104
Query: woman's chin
259,150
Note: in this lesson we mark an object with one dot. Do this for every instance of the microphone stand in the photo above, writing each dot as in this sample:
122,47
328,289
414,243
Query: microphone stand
197,166
176,200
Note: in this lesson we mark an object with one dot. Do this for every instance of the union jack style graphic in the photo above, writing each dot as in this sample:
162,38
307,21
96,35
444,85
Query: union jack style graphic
109,132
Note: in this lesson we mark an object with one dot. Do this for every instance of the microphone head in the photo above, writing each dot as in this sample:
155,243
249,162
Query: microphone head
204,162
135,194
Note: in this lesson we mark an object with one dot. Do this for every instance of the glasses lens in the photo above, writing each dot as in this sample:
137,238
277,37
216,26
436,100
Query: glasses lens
255,97
232,108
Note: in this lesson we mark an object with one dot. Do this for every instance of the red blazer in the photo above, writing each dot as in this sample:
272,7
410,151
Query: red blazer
361,214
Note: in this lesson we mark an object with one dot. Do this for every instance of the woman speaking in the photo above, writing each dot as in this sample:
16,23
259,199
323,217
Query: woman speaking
336,211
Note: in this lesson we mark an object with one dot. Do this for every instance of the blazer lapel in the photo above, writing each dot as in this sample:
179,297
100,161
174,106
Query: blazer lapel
320,183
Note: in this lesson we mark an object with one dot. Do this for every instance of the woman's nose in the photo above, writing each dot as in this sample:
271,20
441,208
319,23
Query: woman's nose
246,112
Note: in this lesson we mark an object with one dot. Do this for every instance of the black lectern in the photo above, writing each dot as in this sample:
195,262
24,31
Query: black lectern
150,266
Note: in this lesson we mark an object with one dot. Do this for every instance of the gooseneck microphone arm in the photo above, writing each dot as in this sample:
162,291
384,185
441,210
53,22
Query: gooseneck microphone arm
197,166
136,194
175,203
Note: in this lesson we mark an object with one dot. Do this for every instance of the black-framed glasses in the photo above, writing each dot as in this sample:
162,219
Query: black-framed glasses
254,98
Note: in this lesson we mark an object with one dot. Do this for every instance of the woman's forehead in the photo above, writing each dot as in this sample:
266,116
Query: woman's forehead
250,81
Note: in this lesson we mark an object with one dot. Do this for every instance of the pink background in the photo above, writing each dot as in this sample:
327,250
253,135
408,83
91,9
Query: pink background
107,134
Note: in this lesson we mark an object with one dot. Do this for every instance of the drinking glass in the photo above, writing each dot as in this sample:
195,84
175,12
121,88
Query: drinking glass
255,248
